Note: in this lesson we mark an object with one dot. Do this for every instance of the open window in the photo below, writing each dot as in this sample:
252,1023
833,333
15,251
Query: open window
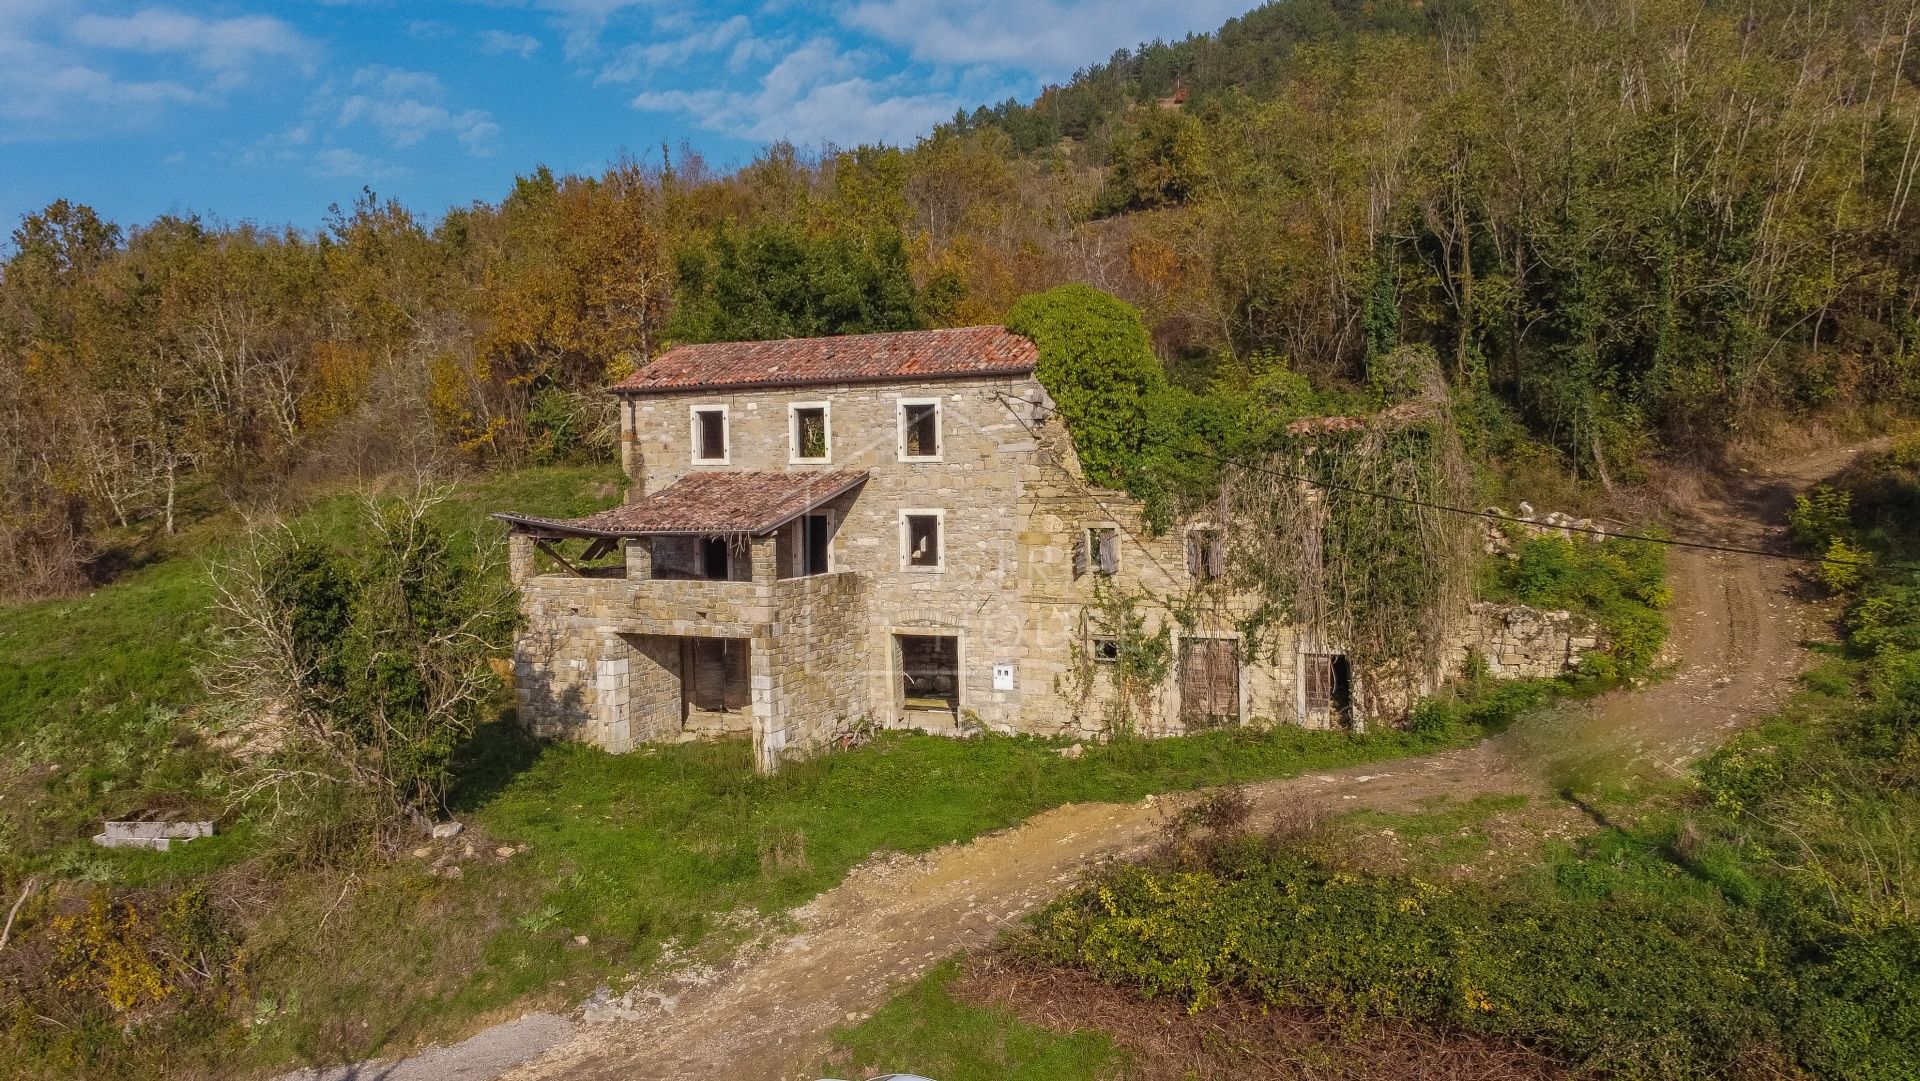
1206,554
806,546
809,432
921,542
710,435
920,429
1104,648
1097,551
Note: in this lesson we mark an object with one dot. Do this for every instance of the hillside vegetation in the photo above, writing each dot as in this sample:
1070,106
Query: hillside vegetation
1756,921
1626,230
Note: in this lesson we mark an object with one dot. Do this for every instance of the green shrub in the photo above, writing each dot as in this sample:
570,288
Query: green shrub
1642,990
1620,584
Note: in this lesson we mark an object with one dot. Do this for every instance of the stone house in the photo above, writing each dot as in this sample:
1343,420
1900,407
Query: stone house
887,529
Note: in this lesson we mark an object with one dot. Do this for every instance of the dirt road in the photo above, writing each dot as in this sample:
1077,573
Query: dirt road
1736,631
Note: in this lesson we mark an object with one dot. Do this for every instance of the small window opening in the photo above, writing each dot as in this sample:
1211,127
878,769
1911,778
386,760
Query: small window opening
920,435
810,432
1206,554
929,672
710,435
714,561
1106,649
1103,549
923,540
813,544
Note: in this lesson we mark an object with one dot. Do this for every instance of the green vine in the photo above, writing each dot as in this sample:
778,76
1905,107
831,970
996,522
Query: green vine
1141,661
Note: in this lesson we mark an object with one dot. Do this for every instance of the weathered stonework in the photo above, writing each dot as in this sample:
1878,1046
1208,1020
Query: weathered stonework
602,658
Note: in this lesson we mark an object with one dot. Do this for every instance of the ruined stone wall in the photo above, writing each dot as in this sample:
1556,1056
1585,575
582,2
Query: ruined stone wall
1520,642
1076,695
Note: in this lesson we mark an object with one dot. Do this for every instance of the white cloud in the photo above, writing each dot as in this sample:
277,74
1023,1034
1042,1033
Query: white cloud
1051,37
218,45
635,62
496,42
338,161
816,94
45,91
59,75
407,107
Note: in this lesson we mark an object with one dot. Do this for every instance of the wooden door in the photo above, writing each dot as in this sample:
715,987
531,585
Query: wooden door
1209,682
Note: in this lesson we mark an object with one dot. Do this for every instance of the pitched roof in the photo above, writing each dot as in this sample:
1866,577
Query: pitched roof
852,358
707,503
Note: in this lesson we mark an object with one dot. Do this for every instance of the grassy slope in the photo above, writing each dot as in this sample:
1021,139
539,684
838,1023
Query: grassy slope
641,854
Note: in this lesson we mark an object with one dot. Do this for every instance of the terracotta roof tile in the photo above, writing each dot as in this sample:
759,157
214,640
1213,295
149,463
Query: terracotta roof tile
853,358
708,503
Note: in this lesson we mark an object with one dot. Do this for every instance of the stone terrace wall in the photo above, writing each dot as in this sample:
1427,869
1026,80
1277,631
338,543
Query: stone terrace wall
1520,642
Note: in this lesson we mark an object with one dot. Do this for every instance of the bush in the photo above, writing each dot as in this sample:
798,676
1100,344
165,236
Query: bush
1097,362
1644,990
1620,584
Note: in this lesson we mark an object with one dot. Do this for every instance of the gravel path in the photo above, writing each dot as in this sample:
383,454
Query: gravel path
488,1054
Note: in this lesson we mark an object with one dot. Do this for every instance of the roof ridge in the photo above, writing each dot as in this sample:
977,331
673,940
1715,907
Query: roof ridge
985,349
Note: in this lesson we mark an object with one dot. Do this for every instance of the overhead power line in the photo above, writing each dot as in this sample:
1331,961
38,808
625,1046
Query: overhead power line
1492,516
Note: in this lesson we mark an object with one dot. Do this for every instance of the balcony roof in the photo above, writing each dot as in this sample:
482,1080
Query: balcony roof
706,504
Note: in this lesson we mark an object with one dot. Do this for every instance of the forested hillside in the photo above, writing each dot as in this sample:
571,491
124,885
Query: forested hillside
1634,229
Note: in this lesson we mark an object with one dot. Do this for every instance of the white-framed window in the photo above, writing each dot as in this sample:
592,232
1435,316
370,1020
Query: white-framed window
920,437
923,540
712,440
809,432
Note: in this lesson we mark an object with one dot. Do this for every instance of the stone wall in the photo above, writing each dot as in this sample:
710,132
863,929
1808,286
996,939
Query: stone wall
1078,696
1520,642
817,660
975,484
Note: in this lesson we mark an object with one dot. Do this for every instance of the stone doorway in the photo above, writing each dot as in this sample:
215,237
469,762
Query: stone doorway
929,667
1326,681
716,693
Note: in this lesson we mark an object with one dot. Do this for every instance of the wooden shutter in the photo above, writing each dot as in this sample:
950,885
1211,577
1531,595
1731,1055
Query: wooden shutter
1319,680
1109,551
1216,556
1079,553
1209,681
1193,554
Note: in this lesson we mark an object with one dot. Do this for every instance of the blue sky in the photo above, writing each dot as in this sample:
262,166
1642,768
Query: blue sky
270,111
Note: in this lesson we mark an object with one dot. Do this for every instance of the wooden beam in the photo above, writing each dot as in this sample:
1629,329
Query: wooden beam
557,557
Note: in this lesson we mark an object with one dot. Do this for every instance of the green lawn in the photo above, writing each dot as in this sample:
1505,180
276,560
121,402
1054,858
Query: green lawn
925,1030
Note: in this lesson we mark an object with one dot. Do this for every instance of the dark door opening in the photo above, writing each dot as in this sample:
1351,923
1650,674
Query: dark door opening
1329,687
713,559
813,544
929,672
1209,682
714,675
